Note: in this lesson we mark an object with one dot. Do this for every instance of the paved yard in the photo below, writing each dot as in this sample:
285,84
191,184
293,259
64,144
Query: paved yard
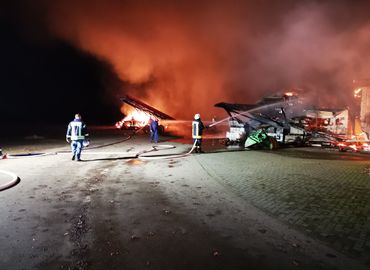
323,193
287,209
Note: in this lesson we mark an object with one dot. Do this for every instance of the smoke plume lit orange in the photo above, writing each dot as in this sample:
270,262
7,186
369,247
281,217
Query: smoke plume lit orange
182,57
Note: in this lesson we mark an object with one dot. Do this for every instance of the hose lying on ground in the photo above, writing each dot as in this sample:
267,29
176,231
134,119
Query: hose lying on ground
15,179
139,155
100,146
30,155
163,147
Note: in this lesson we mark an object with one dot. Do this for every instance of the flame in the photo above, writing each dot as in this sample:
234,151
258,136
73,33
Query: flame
175,55
141,117
353,146
357,92
134,118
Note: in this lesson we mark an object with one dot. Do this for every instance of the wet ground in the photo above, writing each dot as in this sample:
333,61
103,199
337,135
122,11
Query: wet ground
303,208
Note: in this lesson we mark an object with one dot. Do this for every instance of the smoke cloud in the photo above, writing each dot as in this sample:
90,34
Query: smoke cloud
184,56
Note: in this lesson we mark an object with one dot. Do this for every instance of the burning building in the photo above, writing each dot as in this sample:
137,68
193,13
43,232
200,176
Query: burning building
290,119
365,110
362,93
139,113
335,121
196,53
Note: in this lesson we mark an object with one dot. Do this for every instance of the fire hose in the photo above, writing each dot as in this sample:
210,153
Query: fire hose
30,155
15,179
162,147
138,155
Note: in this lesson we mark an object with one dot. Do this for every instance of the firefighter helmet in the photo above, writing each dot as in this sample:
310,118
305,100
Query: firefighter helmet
197,116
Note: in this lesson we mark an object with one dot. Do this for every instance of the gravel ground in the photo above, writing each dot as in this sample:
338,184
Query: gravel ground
115,211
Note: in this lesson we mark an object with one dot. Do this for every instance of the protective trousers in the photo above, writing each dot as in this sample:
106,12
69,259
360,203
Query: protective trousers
76,149
154,136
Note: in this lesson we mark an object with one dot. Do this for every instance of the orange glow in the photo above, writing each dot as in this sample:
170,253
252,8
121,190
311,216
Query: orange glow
357,145
357,92
134,118
182,60
141,117
353,146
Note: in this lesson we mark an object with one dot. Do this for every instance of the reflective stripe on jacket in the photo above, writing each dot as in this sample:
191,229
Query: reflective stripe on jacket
76,130
197,128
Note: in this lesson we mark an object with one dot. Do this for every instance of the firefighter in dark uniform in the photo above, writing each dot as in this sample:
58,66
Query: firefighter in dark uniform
197,132
153,125
76,134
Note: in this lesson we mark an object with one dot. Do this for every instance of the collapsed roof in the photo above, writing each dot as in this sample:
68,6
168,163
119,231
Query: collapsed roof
138,104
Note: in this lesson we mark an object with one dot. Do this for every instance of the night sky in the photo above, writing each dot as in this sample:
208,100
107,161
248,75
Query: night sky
47,80
62,57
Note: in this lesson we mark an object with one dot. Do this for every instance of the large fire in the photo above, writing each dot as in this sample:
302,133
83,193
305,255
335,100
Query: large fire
357,93
185,59
134,118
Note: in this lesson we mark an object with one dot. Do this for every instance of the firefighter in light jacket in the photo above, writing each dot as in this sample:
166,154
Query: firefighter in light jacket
76,134
197,132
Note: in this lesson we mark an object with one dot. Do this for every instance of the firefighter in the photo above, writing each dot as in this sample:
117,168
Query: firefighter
76,134
197,131
153,124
